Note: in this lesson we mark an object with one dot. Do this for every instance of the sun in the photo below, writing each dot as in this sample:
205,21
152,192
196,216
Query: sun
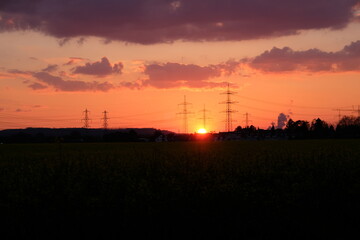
202,131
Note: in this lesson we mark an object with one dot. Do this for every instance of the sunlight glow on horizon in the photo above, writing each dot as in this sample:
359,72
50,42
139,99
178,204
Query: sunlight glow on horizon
202,131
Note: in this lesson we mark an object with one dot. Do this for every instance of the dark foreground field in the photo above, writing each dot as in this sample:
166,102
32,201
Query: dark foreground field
221,190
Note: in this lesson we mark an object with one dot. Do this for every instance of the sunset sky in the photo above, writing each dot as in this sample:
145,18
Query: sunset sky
137,59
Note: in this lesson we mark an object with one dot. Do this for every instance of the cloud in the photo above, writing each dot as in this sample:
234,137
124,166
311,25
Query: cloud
37,106
132,85
20,72
62,85
175,75
22,110
172,75
148,22
37,86
312,60
73,60
1,109
100,69
50,68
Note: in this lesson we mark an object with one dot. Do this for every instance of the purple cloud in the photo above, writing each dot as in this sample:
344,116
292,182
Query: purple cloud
313,60
100,69
62,85
17,71
148,22
171,75
22,110
37,86
50,68
73,60
132,85
174,75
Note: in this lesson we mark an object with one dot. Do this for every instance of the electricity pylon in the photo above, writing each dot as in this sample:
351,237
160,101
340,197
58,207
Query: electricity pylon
229,111
185,112
86,119
105,120
348,110
247,119
204,118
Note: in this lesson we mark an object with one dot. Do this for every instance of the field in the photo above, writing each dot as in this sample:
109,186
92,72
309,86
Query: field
213,190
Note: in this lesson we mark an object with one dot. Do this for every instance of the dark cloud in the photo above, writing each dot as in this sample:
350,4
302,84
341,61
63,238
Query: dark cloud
22,110
229,67
62,85
313,60
17,71
132,85
100,69
74,60
63,41
157,21
50,68
172,75
37,86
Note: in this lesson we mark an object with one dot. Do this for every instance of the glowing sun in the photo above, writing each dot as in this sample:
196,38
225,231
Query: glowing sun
202,131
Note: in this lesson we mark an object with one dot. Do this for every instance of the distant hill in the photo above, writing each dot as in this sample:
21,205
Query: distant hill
76,134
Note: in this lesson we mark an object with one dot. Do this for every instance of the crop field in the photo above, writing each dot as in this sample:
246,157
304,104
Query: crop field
184,190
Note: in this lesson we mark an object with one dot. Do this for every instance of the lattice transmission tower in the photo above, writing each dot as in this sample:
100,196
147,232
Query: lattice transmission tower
247,120
229,111
204,117
86,119
348,110
185,112
105,119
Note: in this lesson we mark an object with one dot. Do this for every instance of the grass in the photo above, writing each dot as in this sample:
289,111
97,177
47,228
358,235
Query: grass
217,190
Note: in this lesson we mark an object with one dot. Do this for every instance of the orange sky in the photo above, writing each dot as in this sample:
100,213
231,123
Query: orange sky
42,82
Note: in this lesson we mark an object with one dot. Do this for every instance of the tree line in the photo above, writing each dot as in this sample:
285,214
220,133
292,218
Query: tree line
347,127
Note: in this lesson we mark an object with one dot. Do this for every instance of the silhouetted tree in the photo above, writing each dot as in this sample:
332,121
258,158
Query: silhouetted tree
298,129
272,130
248,132
348,126
238,129
319,128
332,131
252,129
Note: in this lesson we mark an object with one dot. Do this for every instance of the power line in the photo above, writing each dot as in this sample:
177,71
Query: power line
228,111
354,110
339,110
282,104
140,114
